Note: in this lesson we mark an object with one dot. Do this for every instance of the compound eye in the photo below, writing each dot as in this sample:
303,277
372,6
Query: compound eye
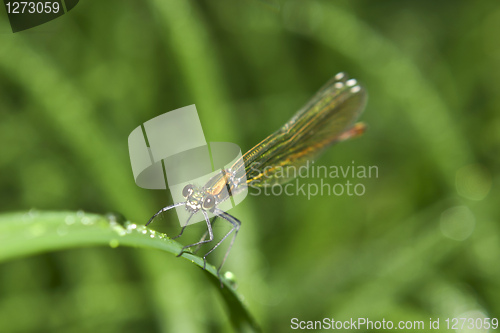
209,202
187,190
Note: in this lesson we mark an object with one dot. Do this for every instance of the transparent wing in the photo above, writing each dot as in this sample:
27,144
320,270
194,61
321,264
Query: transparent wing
327,118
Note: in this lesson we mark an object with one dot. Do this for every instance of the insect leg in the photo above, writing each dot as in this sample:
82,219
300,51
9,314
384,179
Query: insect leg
184,227
164,209
210,233
236,227
205,235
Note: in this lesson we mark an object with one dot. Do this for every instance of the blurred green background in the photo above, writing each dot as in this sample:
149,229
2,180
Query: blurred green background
423,242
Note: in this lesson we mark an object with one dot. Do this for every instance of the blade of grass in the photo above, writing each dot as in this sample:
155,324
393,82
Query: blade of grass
29,233
72,117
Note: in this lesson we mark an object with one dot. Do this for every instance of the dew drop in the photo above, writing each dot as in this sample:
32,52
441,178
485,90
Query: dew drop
33,212
130,227
86,220
114,243
117,217
231,278
69,220
142,229
118,228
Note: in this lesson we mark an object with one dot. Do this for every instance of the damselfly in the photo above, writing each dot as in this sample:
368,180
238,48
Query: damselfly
329,117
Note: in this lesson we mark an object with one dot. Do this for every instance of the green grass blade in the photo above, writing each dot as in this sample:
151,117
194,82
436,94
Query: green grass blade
29,233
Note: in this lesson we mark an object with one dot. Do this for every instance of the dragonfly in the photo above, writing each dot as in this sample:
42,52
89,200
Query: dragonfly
329,117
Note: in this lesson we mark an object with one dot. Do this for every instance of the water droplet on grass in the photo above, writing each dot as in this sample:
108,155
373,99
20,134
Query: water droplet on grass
231,278
69,220
129,227
117,228
32,213
117,217
114,243
141,229
86,220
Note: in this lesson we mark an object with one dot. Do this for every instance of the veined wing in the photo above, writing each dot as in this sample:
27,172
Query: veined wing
327,118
